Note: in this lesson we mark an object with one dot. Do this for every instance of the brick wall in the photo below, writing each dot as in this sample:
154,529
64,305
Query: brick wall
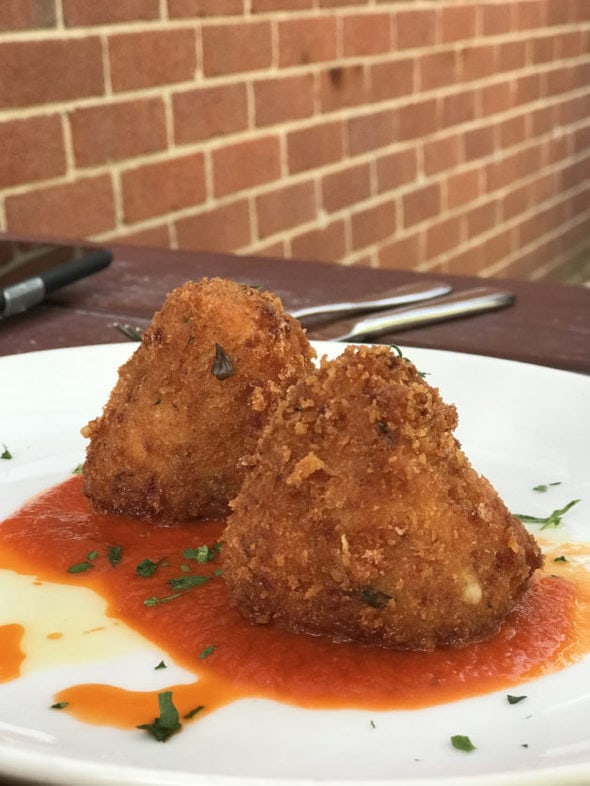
432,134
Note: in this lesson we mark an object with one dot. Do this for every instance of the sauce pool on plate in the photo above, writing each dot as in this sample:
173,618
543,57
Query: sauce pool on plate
164,582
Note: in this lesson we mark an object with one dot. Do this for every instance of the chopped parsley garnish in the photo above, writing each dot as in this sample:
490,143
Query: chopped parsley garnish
222,367
92,555
186,582
6,454
202,554
146,568
114,555
560,559
374,598
552,520
462,743
154,601
60,705
161,665
191,713
545,486
372,724
207,651
167,723
78,470
515,699
80,567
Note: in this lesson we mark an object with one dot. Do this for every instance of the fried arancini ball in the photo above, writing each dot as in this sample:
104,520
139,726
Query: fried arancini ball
361,518
192,401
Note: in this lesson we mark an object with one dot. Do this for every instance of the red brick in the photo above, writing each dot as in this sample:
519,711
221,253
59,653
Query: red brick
528,88
285,207
104,12
458,108
479,143
309,40
154,237
346,187
403,253
542,120
233,48
482,218
184,9
32,149
240,166
337,3
27,14
512,131
369,132
326,244
543,188
343,86
416,28
112,132
442,237
163,187
458,23
502,172
543,49
559,12
41,72
151,58
366,34
497,98
224,228
467,263
437,69
79,209
496,18
392,79
309,148
515,201
462,188
530,14
511,55
571,111
441,154
206,112
396,169
421,204
275,249
570,44
560,80
582,139
373,224
555,149
477,62
285,98
263,6
418,119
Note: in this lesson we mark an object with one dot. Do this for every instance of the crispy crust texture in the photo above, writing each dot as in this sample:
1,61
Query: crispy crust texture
169,441
363,520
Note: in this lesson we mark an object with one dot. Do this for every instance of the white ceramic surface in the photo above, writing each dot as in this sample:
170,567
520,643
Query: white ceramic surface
521,425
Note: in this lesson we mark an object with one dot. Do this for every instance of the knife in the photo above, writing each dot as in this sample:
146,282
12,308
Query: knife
458,304
401,295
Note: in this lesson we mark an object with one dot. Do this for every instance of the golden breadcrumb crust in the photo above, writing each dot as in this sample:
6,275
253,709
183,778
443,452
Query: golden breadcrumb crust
170,438
362,519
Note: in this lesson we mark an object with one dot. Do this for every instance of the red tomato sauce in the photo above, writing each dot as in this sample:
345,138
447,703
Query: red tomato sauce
232,658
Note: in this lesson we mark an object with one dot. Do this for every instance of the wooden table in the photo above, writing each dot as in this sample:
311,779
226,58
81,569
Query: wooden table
548,325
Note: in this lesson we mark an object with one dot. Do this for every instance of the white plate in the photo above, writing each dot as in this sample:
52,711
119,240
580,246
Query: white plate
521,425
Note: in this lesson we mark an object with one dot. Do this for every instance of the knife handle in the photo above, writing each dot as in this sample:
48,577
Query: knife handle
458,304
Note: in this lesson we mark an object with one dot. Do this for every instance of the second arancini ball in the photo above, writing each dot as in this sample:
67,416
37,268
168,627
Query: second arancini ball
361,518
192,400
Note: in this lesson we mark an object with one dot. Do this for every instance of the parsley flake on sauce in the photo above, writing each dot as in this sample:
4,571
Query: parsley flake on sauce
154,601
186,582
60,705
191,713
80,567
202,554
167,723
6,454
161,665
114,554
207,651
462,743
78,470
146,568
552,520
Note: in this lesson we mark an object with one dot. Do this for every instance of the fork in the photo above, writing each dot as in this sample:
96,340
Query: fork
130,331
